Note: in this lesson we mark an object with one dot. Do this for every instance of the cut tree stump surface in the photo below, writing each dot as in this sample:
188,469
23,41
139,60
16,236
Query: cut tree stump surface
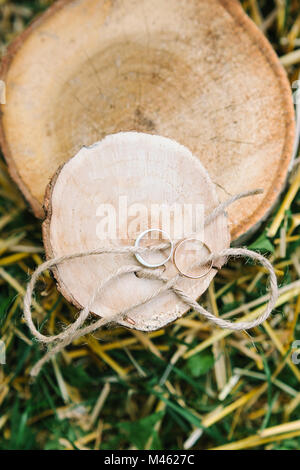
148,170
196,71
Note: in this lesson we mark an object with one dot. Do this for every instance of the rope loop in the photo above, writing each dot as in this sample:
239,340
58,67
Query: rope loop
77,328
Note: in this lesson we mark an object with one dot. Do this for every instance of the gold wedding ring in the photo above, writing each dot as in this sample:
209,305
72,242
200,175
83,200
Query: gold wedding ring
182,271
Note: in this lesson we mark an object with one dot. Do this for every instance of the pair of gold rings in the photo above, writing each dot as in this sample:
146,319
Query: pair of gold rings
174,253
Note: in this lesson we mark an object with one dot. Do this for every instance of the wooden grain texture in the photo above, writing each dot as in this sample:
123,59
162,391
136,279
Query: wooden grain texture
197,71
149,170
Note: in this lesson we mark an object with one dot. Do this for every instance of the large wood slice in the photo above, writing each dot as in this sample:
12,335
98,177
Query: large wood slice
198,71
150,171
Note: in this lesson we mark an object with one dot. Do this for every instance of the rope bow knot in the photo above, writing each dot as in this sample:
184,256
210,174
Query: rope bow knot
77,328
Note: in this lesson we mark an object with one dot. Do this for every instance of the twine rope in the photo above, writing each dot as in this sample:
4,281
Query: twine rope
77,328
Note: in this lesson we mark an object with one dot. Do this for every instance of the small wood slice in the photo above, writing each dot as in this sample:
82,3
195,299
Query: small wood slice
147,170
197,71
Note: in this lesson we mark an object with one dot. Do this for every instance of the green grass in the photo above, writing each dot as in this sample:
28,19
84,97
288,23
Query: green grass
143,407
